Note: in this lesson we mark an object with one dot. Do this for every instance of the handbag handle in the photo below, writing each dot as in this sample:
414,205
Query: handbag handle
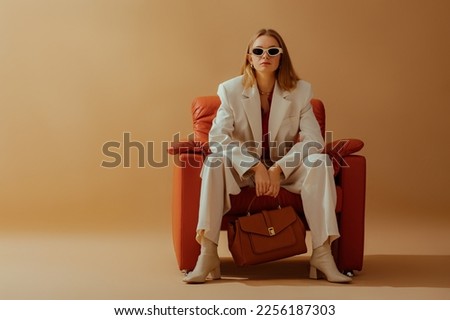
254,198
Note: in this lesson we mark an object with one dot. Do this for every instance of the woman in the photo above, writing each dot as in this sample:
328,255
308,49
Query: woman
265,135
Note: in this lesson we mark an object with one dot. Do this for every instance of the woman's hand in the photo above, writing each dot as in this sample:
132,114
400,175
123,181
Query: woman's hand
267,181
262,179
275,178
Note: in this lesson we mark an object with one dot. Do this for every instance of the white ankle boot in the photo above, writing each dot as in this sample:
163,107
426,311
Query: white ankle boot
208,263
322,260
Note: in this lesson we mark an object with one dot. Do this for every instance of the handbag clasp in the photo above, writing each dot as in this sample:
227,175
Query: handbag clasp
271,231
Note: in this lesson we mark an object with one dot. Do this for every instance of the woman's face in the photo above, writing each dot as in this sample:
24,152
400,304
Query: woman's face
264,63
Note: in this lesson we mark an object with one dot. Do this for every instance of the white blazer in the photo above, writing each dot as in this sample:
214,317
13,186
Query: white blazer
237,128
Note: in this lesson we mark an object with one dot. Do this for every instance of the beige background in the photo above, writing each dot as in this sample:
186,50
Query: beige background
76,74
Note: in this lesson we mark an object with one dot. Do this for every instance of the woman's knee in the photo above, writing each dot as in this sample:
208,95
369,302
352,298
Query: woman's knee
214,161
316,160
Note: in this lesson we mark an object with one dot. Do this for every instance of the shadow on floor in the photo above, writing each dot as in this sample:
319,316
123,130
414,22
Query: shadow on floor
378,271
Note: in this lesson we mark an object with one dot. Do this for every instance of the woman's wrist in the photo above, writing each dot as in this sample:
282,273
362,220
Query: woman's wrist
256,167
276,168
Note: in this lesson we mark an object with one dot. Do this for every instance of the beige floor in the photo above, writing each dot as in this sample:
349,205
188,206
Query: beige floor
141,265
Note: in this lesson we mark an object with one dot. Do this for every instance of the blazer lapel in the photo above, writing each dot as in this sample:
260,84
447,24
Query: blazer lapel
252,107
279,108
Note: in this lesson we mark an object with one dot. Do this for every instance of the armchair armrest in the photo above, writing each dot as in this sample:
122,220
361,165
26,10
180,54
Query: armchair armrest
185,202
339,149
179,147
352,179
343,147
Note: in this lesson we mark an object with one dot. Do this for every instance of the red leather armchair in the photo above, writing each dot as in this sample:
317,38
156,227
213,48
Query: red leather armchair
350,176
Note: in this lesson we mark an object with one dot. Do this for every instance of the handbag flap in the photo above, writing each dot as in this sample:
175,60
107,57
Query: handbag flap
261,223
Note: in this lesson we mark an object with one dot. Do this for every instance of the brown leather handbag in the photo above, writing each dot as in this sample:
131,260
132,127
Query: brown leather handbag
266,236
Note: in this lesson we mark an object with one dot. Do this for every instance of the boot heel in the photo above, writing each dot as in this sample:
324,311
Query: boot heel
215,274
315,273
312,272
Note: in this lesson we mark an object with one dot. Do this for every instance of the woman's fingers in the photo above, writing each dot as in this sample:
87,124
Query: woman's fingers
272,191
262,179
274,180
262,187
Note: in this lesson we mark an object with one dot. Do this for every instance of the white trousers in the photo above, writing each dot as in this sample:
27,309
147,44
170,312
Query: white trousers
313,180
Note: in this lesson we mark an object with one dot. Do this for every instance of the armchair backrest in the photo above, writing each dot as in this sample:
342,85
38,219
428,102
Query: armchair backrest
204,110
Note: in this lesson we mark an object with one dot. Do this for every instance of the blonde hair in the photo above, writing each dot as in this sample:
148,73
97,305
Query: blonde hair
286,76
